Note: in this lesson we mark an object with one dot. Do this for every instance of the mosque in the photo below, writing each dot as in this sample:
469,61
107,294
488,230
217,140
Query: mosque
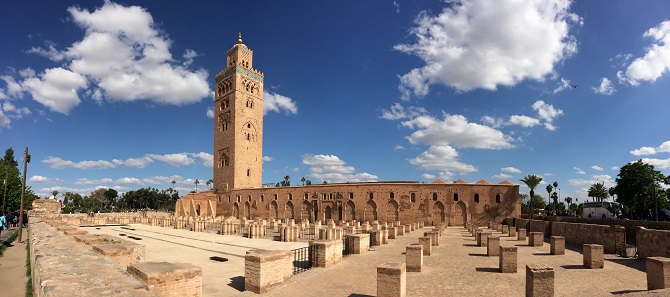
238,170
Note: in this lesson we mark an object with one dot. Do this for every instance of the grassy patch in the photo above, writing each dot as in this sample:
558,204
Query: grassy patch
8,242
29,283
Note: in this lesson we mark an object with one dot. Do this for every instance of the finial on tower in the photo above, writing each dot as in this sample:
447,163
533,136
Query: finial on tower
239,38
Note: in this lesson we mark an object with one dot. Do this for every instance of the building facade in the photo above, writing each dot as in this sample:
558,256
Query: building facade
238,190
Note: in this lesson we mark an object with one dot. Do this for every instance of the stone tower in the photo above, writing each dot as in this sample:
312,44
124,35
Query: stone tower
238,122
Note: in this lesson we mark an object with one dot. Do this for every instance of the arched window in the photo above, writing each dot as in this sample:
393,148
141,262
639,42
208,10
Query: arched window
228,199
276,196
351,195
249,198
262,197
412,197
372,196
434,196
455,196
497,198
476,198
391,195
290,196
248,172
306,196
239,198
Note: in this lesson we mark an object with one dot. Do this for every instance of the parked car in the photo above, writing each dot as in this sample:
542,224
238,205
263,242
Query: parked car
663,215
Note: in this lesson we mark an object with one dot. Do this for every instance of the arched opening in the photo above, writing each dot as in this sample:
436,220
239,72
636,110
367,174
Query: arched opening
197,209
455,196
247,210
392,211
306,211
434,196
370,211
328,213
290,213
476,198
497,198
339,213
460,214
350,210
236,211
274,210
438,213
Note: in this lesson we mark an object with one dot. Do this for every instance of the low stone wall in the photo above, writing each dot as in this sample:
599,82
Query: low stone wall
653,243
534,226
62,267
579,234
629,225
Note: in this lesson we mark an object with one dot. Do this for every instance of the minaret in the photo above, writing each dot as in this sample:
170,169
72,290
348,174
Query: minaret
238,122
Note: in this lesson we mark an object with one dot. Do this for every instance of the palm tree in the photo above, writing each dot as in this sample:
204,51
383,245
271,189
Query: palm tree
598,191
612,192
173,182
302,179
55,193
287,181
209,182
531,181
568,200
196,185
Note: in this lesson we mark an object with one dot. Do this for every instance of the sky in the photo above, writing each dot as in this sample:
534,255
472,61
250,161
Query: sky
119,94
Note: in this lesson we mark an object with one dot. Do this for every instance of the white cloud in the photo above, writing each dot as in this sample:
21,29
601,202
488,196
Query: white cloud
11,111
58,163
596,167
523,121
210,113
176,160
502,176
4,121
134,162
397,6
56,89
332,169
583,185
278,103
123,56
606,87
581,172
428,176
442,157
510,170
645,150
455,130
615,168
548,113
86,181
129,181
493,122
267,159
398,112
399,148
206,159
180,159
42,179
658,163
484,44
563,85
655,62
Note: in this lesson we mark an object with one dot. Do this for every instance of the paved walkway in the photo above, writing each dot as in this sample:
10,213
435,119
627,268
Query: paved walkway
13,266
458,268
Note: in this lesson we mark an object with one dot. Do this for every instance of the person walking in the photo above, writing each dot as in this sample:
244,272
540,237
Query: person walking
3,222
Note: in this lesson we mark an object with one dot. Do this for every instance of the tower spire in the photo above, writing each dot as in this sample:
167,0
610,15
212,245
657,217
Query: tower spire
239,38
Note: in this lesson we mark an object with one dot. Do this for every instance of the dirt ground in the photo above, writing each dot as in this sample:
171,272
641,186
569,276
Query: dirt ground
13,269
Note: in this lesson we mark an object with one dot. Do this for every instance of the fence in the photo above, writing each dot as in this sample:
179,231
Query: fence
304,259
347,246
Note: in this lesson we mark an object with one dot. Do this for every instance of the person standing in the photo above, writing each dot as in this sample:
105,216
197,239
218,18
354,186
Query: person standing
3,222
25,219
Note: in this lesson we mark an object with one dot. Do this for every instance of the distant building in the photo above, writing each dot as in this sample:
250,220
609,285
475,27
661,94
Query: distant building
238,172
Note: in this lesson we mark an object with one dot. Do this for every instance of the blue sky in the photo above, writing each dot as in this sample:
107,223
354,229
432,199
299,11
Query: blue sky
118,94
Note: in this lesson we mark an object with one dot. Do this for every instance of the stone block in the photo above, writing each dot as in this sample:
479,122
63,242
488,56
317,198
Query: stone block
392,280
169,279
557,245
507,259
434,237
658,273
264,269
392,232
539,281
493,246
426,243
505,229
329,252
361,243
482,238
512,232
401,230
414,257
536,239
408,228
521,234
593,256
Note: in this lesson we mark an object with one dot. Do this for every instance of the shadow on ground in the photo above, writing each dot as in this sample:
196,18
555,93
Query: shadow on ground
634,263
487,269
237,283
360,295
626,292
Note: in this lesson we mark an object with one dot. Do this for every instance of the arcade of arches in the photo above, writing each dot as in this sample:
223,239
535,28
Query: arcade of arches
453,203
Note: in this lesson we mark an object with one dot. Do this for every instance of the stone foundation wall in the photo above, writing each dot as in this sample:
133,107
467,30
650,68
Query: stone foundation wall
586,233
62,267
653,243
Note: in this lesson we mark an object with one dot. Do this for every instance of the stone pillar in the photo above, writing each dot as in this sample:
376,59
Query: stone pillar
361,243
507,259
557,245
426,243
593,256
434,237
493,246
164,279
408,229
385,236
401,230
393,233
482,237
536,239
522,234
512,232
329,252
505,229
392,280
658,272
539,281
414,257
378,237
264,270
411,227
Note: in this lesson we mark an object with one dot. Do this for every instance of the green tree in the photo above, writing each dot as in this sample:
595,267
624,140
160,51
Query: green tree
568,200
536,203
9,170
598,192
286,182
196,182
637,182
54,193
302,179
209,182
531,181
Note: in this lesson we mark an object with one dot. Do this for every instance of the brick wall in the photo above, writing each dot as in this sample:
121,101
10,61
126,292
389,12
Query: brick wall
587,233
